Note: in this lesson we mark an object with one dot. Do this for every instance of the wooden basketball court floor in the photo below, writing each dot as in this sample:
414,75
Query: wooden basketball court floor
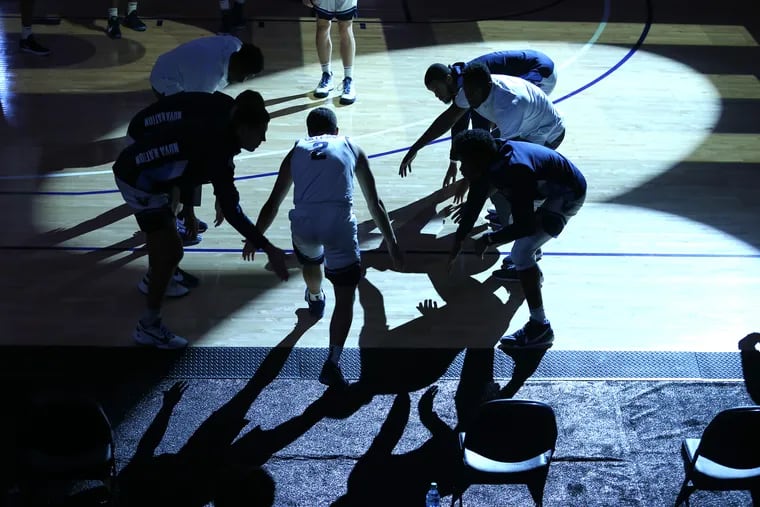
661,104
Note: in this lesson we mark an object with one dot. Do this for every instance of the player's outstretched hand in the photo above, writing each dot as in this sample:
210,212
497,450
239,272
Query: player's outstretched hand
277,261
406,164
427,307
456,212
461,191
174,393
249,251
219,218
451,175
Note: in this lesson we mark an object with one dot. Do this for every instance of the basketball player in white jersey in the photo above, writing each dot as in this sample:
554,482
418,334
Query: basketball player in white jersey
321,169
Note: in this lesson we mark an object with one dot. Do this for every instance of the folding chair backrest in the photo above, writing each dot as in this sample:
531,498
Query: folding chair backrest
67,436
512,430
731,438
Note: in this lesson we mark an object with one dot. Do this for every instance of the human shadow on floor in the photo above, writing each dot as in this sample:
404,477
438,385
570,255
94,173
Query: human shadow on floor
209,460
423,349
410,473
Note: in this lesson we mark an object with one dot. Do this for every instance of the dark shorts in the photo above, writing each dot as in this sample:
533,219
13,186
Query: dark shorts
156,220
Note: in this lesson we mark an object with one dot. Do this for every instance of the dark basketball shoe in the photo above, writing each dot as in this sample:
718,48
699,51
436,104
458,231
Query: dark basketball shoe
332,376
316,306
113,30
30,45
533,335
134,22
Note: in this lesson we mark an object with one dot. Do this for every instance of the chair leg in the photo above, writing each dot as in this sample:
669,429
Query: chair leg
685,493
456,494
755,496
536,488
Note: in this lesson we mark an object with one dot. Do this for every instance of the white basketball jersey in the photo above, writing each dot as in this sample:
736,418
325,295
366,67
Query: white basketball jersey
323,171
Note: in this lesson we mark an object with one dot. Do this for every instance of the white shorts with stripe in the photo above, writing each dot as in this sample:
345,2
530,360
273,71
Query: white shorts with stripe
326,231
340,9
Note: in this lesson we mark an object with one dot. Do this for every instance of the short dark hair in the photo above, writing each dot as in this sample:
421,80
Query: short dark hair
473,143
250,58
321,121
249,109
436,72
476,74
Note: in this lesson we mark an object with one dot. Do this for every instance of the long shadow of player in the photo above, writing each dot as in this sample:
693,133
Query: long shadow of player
472,319
418,352
409,473
204,466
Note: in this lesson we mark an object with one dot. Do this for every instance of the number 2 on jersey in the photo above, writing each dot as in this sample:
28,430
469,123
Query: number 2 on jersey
317,151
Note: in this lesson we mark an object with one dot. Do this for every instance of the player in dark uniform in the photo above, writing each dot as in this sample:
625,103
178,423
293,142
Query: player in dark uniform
182,155
524,173
203,107
445,81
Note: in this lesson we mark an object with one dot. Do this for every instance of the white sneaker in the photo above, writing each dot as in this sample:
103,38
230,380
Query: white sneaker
174,290
348,96
325,86
157,335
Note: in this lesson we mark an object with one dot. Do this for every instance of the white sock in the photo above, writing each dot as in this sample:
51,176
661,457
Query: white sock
334,354
316,297
326,68
348,72
131,7
538,315
113,12
224,5
26,31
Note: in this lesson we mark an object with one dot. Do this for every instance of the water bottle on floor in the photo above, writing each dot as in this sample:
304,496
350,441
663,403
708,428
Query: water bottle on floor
433,498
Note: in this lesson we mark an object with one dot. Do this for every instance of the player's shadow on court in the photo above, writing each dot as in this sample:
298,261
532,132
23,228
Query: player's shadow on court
472,318
410,473
216,452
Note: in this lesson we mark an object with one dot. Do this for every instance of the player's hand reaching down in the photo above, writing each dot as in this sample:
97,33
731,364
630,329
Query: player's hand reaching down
406,164
451,175
275,256
277,260
219,218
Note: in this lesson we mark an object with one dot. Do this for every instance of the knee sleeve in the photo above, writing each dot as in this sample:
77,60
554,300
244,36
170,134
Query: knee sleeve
350,275
552,222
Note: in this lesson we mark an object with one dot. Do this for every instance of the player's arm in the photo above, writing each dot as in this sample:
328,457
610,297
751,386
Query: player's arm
280,190
523,188
440,126
229,200
375,205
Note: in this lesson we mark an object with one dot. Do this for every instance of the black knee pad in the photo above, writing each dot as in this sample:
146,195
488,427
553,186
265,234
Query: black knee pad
552,223
350,275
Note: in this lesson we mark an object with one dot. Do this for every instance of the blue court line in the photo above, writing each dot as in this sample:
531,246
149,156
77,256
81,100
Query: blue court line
637,45
406,252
